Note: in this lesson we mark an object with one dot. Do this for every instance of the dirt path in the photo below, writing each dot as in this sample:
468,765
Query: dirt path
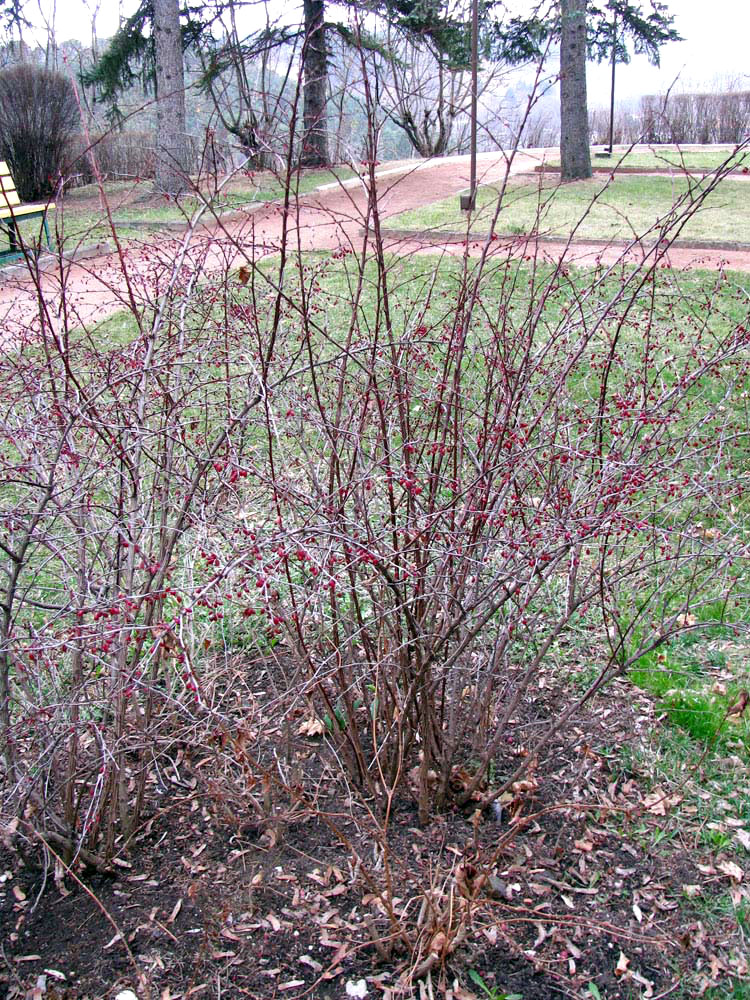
328,219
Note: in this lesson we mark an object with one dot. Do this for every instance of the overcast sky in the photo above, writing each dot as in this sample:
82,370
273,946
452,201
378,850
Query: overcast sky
715,50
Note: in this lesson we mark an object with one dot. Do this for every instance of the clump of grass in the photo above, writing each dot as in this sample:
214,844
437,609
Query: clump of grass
695,683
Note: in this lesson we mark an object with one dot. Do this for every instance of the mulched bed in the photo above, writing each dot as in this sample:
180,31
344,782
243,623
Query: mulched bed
214,902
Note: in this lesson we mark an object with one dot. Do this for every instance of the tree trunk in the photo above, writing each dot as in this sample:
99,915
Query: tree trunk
171,158
315,75
575,154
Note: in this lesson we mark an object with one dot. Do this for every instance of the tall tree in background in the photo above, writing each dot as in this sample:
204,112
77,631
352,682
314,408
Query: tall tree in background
147,49
130,54
315,76
522,38
434,22
575,155
170,99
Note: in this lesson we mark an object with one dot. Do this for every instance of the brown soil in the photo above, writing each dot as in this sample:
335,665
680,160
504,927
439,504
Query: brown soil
214,902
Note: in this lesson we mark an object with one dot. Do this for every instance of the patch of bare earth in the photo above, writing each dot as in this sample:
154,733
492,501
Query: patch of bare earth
248,881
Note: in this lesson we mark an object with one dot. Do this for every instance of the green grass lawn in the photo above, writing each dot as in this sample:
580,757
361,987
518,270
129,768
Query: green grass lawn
671,157
695,678
599,208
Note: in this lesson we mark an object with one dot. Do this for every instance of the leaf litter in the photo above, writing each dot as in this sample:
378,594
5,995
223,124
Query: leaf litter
586,880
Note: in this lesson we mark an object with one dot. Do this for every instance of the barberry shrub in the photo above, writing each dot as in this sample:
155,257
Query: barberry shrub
403,484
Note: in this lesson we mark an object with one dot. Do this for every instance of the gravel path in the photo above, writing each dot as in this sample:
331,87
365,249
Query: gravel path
329,219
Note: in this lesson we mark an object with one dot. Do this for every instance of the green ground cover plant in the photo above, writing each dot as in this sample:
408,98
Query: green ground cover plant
628,207
696,680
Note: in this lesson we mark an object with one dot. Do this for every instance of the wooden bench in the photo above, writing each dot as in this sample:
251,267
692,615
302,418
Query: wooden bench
12,212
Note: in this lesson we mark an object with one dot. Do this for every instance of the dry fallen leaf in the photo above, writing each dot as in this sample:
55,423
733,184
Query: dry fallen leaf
737,710
648,986
737,894
664,904
491,934
622,964
575,952
311,727
717,966
466,874
687,620
307,960
731,870
439,943
657,802
270,837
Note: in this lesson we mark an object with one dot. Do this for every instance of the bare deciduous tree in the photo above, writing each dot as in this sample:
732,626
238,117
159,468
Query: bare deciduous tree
247,84
427,97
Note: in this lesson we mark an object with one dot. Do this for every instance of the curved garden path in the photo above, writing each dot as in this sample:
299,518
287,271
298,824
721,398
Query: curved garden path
328,219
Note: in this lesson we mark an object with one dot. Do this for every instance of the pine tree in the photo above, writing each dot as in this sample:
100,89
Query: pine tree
574,124
171,159
522,38
315,138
